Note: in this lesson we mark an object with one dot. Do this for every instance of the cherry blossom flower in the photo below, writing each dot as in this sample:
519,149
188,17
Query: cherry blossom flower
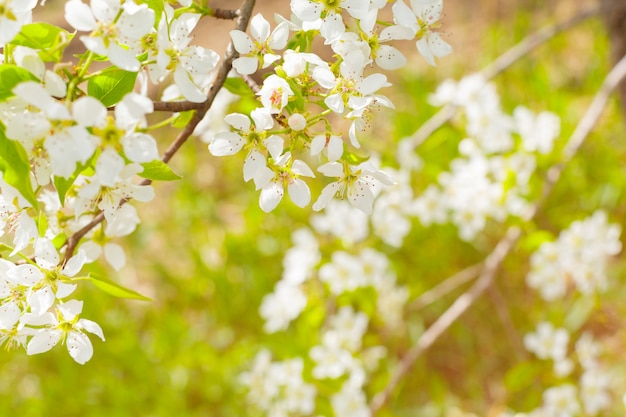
189,63
284,173
547,342
275,93
329,15
65,327
423,19
258,51
229,143
354,182
113,25
13,15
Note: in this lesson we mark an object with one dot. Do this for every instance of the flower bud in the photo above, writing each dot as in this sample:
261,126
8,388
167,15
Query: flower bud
297,122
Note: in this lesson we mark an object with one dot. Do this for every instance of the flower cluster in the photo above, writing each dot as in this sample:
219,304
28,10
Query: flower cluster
490,178
304,90
578,258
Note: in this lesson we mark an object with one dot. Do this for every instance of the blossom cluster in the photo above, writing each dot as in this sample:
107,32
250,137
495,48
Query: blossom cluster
490,178
578,258
304,91
77,147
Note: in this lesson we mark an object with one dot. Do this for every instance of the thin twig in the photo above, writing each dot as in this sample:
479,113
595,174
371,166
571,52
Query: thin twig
445,287
176,106
244,13
501,63
495,258
460,305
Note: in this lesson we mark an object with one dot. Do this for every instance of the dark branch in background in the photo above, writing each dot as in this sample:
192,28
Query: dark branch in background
504,246
226,14
176,106
615,20
243,17
503,62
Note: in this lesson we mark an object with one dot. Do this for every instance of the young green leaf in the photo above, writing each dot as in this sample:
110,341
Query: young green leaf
48,39
112,288
10,76
15,167
111,85
158,170
238,86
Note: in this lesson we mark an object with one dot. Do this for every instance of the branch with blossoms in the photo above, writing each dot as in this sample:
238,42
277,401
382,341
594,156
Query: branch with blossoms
77,145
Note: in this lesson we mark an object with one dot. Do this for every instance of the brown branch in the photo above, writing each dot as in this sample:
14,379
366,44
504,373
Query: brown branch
176,106
226,14
445,287
243,13
460,305
495,258
501,63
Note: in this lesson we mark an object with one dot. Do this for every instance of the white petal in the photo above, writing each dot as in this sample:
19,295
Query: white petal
226,143
301,168
64,290
274,145
79,16
41,300
91,326
75,264
317,144
263,119
54,84
123,58
254,161
108,167
270,196
243,43
246,65
238,121
335,103
140,147
389,58
43,341
299,193
361,197
280,36
188,89
331,169
259,27
326,195
89,111
424,50
46,255
332,28
439,47
114,254
79,347
335,148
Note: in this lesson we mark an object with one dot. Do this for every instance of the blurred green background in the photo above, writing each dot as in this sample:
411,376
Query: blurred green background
207,255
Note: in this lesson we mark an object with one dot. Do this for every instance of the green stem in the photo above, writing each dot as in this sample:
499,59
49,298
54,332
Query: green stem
80,77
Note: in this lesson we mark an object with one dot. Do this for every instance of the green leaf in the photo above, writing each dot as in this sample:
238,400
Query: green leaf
15,165
158,170
183,119
10,76
111,85
238,86
112,288
157,6
48,39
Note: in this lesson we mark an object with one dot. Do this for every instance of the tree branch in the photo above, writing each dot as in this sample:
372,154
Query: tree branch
243,13
445,287
504,246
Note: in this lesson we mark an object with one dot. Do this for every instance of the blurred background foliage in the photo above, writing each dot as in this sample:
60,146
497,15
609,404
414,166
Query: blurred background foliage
206,255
